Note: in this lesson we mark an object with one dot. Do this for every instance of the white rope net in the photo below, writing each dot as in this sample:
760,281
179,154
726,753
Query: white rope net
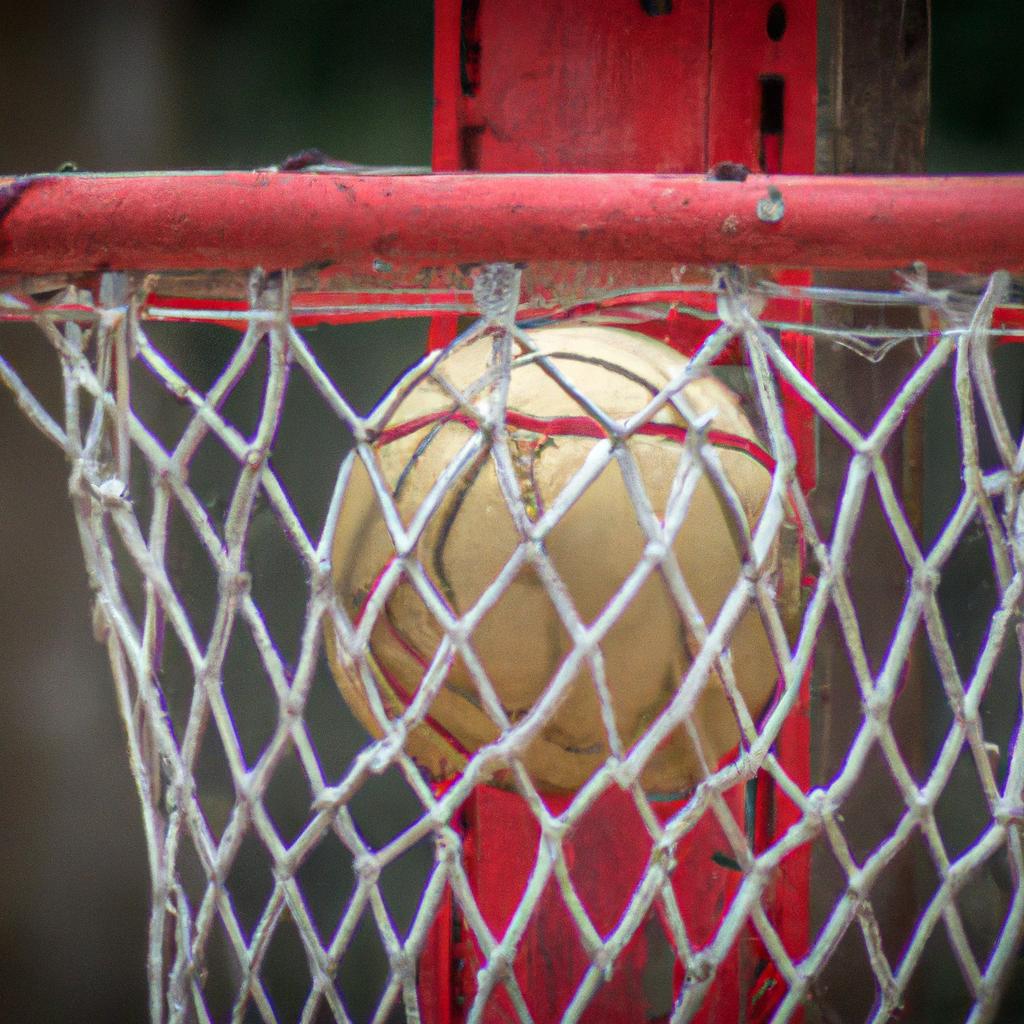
305,869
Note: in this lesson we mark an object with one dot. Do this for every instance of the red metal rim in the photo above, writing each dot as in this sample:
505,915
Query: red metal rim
394,226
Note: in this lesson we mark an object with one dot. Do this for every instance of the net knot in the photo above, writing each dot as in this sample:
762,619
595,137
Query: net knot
112,319
663,858
604,961
816,807
403,967
925,579
753,570
236,584
920,806
255,457
112,492
320,581
293,706
458,632
496,291
699,970
554,830
655,550
367,868
1009,813
623,773
877,707
385,750
101,624
498,966
855,890
737,307
447,846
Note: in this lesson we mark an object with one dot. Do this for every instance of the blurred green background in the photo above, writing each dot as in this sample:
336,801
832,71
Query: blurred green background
146,84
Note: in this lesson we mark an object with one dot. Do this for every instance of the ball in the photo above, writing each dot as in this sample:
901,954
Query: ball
521,641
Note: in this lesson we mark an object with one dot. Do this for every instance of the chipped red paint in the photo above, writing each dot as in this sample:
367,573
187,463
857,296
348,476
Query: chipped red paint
391,228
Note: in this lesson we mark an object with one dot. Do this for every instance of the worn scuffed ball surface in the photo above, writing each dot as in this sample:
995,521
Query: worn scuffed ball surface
521,641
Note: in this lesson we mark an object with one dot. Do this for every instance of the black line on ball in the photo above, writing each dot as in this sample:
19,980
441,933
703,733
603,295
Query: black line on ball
449,521
420,450
603,363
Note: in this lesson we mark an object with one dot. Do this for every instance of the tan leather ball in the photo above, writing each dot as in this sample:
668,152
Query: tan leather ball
521,641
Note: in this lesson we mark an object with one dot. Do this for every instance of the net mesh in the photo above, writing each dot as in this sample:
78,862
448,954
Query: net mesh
303,869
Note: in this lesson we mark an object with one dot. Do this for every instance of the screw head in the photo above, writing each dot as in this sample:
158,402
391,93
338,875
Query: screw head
771,208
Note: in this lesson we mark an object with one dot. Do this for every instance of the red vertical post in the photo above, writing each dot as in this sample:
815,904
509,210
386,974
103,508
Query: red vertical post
764,105
629,85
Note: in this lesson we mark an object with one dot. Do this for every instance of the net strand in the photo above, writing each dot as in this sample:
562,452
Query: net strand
104,345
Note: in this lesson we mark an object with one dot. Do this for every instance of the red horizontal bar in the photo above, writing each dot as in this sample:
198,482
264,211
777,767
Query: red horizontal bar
391,225
310,308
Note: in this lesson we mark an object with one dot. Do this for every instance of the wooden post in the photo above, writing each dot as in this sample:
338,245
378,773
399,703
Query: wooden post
873,118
